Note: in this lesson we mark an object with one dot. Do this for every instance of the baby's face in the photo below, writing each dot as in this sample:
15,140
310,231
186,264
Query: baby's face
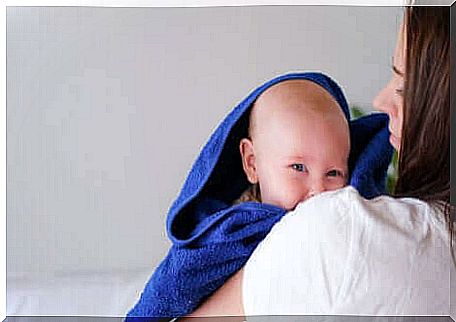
300,143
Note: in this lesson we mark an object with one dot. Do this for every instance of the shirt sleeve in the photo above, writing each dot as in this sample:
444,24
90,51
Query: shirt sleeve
299,267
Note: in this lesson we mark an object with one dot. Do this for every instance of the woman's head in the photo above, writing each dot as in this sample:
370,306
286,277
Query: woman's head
417,99
391,98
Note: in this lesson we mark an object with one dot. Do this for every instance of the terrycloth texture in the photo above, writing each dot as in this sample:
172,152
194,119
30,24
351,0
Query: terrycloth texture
212,238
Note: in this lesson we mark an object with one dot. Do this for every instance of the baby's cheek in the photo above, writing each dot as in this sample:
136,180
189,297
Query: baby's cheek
296,196
337,184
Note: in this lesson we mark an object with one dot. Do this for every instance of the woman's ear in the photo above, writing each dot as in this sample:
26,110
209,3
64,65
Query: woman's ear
248,160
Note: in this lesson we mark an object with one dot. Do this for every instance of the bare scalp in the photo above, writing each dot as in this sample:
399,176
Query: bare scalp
290,98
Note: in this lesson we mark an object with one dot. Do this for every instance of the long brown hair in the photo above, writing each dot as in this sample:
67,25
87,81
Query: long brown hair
424,158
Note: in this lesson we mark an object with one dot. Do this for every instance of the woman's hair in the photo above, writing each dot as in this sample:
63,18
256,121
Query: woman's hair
424,158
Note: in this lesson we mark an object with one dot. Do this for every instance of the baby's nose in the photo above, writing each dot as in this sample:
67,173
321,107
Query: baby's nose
317,187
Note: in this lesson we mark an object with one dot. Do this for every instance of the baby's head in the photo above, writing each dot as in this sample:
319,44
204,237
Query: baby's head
298,143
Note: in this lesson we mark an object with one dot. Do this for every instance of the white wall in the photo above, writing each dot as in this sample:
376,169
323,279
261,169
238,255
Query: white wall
108,107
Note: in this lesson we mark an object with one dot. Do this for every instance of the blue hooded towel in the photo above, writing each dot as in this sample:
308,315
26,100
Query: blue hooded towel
211,237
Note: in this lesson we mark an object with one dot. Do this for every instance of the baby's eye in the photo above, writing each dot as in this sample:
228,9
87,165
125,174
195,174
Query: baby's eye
299,167
335,173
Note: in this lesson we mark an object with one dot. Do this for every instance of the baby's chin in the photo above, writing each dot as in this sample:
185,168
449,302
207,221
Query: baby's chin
291,206
297,203
284,205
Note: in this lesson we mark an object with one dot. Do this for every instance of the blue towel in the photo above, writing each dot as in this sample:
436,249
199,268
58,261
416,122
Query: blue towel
211,237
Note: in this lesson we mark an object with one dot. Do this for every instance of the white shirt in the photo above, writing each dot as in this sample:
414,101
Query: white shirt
338,253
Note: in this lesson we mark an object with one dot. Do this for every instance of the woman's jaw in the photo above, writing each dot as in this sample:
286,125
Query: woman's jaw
395,141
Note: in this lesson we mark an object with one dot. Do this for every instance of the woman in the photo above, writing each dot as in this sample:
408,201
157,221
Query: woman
338,253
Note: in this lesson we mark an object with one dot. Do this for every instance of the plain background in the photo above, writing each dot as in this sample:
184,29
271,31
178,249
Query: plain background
108,107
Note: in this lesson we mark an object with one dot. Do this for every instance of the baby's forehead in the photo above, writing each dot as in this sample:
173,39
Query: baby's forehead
295,105
294,96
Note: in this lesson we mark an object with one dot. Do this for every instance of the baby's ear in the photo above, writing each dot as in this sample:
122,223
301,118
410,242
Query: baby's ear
248,160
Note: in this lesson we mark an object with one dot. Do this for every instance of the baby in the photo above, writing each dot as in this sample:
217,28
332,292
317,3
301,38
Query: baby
294,142
298,145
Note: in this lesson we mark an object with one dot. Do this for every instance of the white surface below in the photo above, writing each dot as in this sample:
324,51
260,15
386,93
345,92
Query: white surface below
108,293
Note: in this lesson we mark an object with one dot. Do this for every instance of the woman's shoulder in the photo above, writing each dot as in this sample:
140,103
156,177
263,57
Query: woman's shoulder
341,253
346,204
338,221
349,196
